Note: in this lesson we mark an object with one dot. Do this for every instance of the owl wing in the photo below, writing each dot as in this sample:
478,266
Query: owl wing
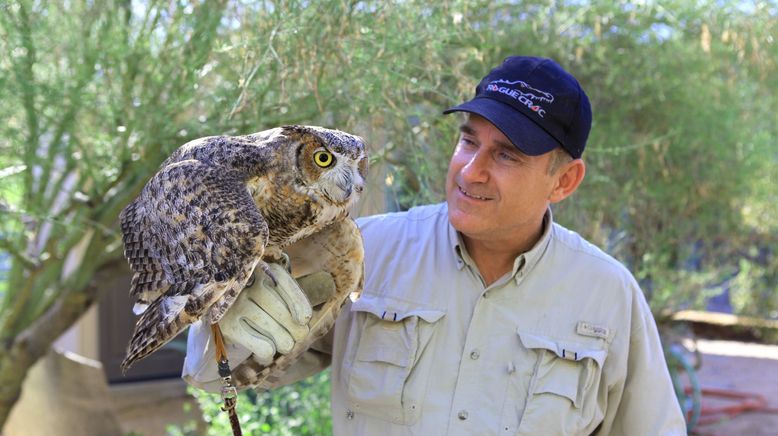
336,249
192,237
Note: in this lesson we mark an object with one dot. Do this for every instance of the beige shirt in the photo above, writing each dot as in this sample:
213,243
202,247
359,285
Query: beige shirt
564,344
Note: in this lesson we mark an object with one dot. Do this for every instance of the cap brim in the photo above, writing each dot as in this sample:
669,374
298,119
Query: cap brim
527,136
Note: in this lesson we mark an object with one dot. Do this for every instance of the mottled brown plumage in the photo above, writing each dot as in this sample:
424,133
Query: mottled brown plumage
219,207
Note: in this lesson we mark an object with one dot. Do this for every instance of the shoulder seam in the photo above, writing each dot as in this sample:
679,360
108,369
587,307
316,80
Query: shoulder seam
597,253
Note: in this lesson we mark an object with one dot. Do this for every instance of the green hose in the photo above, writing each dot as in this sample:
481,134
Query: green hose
691,403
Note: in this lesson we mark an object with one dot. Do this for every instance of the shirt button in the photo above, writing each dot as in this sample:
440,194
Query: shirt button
475,355
349,414
462,415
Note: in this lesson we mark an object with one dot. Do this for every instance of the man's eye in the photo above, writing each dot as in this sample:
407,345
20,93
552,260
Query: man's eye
506,156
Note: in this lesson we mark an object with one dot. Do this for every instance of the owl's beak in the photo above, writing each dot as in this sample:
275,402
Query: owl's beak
352,189
353,184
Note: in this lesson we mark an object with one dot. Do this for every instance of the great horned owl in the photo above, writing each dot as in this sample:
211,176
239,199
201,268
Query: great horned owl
221,206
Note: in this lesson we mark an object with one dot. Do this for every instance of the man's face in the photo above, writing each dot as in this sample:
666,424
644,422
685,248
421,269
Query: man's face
494,191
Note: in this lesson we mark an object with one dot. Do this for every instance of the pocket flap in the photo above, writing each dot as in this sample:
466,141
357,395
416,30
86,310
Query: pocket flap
389,309
564,349
561,378
566,367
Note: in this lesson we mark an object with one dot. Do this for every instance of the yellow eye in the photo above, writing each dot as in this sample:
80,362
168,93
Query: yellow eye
323,158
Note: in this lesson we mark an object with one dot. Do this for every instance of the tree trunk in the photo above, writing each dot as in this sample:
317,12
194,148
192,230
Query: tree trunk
19,354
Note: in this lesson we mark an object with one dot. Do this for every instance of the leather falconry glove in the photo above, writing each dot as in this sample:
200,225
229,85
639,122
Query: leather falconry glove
267,318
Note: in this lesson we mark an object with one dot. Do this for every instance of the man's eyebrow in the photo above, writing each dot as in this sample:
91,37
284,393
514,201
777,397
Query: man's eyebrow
507,146
465,128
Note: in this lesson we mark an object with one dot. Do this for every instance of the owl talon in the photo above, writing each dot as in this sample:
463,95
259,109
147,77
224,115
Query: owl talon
269,273
252,279
281,258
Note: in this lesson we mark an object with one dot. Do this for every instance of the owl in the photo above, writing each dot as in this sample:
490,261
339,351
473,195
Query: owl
221,206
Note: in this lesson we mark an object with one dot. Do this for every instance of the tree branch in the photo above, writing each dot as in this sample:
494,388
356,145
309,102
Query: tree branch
26,261
18,356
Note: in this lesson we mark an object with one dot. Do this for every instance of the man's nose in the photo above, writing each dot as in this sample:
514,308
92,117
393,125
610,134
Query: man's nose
476,170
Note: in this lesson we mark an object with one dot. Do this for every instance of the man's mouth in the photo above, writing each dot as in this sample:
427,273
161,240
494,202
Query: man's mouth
468,194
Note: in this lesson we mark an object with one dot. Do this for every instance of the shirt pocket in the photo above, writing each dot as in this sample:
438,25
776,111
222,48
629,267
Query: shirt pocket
385,380
562,395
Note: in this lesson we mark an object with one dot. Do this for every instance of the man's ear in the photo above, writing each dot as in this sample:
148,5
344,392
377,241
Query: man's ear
568,177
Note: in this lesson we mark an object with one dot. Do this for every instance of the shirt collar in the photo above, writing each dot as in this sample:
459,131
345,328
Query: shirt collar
523,262
458,246
532,257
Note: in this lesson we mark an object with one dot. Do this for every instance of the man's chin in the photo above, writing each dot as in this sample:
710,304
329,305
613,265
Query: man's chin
464,222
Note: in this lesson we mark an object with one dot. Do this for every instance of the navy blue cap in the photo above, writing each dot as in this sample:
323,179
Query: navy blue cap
535,103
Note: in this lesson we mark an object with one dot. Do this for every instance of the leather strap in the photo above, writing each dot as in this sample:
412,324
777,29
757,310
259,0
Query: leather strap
229,392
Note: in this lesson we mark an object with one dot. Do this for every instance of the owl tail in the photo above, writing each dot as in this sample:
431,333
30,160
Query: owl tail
162,321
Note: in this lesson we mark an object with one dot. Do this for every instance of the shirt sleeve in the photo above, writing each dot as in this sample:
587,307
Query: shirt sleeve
200,368
645,403
315,359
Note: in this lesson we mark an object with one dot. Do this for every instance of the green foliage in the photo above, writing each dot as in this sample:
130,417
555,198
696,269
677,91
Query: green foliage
94,95
299,409
753,289
682,159
90,113
683,144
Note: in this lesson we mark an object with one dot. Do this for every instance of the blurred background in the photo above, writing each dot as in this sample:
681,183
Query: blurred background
681,186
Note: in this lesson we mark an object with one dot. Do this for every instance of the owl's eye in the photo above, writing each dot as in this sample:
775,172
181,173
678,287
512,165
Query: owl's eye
323,158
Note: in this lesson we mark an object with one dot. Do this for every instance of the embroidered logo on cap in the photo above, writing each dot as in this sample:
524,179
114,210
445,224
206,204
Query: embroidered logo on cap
523,93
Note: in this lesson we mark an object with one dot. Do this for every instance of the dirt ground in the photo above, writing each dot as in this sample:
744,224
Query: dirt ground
746,368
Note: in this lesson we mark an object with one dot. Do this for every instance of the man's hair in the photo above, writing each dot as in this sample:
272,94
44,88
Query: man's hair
559,157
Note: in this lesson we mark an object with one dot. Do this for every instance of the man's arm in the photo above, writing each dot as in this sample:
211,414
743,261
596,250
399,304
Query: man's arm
645,404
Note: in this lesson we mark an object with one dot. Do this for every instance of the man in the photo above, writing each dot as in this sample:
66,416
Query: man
482,316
